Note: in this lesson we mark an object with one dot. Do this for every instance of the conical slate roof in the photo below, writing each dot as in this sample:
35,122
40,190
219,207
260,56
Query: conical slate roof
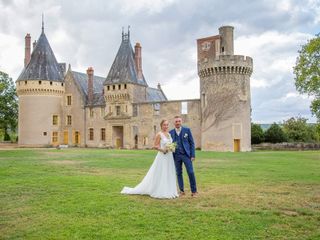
43,64
123,69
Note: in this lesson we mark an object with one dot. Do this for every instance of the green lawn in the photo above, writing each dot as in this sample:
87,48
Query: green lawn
75,194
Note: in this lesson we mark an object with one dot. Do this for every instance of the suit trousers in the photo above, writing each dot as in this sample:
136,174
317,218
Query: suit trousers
178,160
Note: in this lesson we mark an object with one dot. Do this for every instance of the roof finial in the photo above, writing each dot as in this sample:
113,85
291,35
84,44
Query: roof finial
42,23
128,31
122,33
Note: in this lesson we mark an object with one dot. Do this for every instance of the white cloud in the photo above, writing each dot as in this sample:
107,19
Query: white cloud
86,34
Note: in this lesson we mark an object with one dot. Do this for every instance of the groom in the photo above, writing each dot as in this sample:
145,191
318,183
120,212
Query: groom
185,153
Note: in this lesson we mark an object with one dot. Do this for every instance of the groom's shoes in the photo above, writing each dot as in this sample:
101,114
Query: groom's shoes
181,193
194,194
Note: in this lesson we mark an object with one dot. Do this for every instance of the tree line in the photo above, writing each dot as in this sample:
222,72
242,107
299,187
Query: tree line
295,129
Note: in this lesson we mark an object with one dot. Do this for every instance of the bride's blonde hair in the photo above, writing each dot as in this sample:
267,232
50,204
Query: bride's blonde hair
161,123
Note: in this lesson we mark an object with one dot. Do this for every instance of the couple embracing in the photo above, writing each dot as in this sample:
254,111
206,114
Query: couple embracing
174,148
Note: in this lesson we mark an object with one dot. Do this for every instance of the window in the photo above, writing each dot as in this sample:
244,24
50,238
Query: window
25,82
145,141
69,120
44,133
68,100
76,137
119,86
135,110
55,120
118,110
108,88
40,82
54,137
91,136
51,83
125,86
91,113
113,87
154,129
126,108
156,108
204,103
222,49
102,111
184,107
103,134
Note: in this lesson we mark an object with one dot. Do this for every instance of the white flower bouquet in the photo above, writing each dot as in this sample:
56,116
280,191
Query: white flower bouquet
171,147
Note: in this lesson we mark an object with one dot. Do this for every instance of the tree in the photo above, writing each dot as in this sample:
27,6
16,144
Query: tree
307,73
275,134
297,129
257,134
8,104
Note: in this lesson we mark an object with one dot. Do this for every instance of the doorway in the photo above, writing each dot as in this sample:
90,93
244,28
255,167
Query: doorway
65,137
117,136
236,145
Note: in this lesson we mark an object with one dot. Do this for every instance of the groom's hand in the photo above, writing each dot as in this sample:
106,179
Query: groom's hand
192,159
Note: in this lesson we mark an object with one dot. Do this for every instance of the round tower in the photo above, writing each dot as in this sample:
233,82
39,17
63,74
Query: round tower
40,89
225,94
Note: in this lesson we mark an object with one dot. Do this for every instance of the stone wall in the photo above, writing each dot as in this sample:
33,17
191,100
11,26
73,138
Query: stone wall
286,146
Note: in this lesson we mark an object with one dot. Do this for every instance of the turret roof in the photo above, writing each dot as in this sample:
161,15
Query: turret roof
43,64
123,69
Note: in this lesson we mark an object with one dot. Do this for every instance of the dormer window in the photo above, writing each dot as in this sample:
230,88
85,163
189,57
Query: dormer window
113,87
40,82
125,86
108,88
51,83
25,82
119,86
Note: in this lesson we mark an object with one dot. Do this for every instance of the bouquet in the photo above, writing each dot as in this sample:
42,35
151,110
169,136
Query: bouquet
171,147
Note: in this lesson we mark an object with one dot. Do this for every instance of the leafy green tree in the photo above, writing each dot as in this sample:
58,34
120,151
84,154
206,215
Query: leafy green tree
8,104
297,130
275,134
257,134
307,73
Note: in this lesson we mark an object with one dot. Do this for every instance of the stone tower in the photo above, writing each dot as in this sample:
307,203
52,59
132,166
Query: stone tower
40,89
224,94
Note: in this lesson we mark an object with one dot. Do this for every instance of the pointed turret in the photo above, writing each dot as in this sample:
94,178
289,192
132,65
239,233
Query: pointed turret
43,64
124,69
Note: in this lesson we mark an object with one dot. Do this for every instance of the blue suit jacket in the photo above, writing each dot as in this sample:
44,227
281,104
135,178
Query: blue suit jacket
187,140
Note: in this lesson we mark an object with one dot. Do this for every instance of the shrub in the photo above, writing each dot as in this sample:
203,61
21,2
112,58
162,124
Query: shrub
275,134
257,134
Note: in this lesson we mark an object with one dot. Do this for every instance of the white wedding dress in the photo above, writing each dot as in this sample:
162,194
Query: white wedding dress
160,181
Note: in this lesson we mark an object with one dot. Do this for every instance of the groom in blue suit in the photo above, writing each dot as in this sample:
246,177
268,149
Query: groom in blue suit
185,153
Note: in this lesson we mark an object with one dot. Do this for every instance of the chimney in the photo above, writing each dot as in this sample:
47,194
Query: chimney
34,44
90,85
159,86
138,60
27,50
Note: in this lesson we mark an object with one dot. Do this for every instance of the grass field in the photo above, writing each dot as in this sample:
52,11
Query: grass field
74,194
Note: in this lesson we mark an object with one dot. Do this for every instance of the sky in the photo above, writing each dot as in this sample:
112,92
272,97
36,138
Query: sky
88,33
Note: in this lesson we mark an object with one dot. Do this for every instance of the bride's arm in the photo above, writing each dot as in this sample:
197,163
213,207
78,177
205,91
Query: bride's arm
156,144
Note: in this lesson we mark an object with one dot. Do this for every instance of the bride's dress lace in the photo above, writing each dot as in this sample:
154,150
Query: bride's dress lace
160,181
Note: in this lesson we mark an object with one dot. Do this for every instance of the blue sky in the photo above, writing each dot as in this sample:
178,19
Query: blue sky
88,33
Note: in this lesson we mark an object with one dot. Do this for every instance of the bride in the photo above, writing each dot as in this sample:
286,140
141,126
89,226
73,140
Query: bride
160,181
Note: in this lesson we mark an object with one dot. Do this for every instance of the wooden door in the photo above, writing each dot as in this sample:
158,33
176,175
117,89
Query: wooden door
236,145
65,137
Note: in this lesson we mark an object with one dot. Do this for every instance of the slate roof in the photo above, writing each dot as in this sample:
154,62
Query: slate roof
81,80
43,64
155,95
123,69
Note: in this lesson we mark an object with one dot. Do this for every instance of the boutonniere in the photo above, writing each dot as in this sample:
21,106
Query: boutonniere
185,135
